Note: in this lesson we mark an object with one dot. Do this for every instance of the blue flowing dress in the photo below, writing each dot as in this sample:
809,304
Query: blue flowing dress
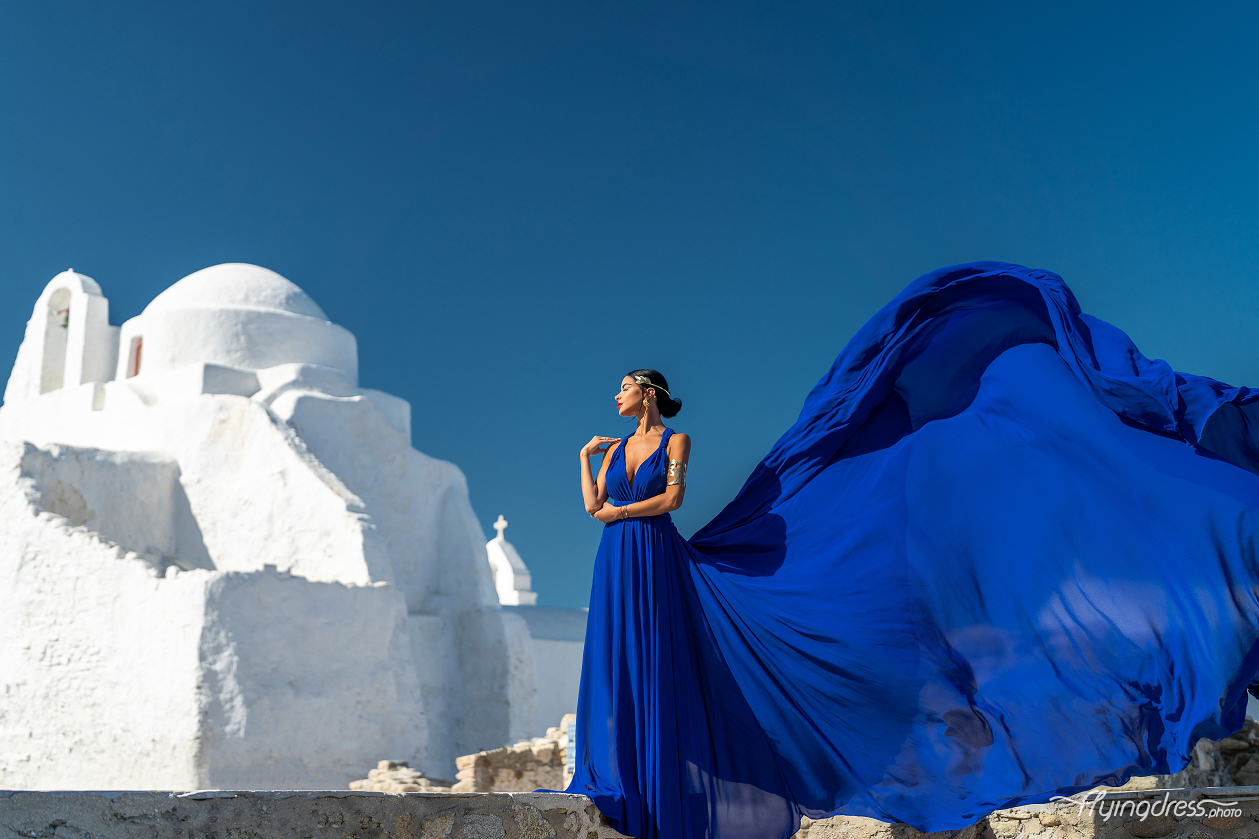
1000,556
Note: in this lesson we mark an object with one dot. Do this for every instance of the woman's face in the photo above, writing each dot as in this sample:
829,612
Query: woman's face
629,401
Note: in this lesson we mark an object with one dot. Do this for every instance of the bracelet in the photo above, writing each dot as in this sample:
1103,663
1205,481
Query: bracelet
625,512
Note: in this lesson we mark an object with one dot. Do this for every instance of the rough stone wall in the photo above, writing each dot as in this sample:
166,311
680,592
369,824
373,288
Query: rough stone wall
1221,802
290,815
1143,814
523,767
1233,761
368,815
397,776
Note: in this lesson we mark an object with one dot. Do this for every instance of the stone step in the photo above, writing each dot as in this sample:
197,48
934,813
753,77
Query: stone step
333,814
338,814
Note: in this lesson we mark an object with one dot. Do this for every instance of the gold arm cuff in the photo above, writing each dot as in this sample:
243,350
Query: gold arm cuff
677,473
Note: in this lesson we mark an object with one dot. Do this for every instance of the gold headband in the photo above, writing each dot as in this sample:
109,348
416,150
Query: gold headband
643,380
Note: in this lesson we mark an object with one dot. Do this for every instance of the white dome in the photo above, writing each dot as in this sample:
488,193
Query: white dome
236,285
233,315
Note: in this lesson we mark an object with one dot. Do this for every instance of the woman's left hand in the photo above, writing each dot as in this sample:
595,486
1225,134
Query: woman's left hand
608,514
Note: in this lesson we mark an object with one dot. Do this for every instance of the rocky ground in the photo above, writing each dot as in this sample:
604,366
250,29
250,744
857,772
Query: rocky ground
1231,762
522,767
1141,809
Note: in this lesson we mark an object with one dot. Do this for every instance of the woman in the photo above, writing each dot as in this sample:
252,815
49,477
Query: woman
1000,556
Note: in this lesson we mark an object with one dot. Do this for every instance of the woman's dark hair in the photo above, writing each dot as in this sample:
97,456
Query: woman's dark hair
668,406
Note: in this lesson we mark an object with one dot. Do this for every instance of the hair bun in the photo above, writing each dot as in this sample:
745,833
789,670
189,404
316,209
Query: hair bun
665,403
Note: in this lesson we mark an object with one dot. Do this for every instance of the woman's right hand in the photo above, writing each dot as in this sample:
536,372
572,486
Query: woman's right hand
598,445
608,514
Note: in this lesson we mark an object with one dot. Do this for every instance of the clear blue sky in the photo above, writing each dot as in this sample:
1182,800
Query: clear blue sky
513,204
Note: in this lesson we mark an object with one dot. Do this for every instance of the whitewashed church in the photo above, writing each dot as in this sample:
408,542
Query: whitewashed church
222,565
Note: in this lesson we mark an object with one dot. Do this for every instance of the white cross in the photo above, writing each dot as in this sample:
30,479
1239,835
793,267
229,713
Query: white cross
500,526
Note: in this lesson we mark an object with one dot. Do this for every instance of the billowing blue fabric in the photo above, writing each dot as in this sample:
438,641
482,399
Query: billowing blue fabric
1001,555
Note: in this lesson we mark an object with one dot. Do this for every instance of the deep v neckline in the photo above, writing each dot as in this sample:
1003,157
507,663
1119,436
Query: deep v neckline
625,463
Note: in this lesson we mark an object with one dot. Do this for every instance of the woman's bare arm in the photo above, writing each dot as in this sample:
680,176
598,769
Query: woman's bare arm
595,492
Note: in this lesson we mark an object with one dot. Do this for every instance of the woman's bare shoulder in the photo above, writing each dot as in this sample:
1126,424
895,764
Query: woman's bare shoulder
680,442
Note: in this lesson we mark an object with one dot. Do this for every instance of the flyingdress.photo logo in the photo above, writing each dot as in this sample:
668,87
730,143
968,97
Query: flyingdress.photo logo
1095,802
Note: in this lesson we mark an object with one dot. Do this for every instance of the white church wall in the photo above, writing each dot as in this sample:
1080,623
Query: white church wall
557,671
304,680
282,682
548,642
191,381
103,694
436,668
396,410
421,510
309,377
261,498
352,439
522,682
556,637
251,448
257,493
127,497
232,337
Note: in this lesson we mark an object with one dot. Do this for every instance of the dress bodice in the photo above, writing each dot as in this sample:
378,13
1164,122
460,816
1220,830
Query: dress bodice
649,480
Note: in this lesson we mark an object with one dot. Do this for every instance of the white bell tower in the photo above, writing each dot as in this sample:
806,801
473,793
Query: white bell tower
511,575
